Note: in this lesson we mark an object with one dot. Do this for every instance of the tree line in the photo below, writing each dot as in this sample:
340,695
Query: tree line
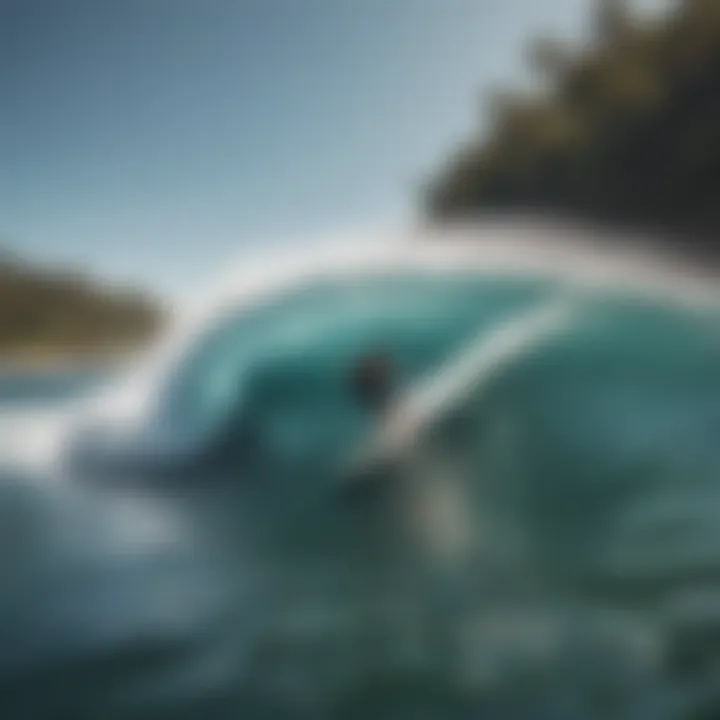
626,129
63,313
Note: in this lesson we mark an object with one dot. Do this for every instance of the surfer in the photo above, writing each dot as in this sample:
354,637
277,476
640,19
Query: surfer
372,382
421,516
431,521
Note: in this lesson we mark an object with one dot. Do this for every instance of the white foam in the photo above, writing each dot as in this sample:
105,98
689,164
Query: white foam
31,438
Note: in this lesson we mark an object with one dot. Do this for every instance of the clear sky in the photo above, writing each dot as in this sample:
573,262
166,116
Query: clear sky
153,139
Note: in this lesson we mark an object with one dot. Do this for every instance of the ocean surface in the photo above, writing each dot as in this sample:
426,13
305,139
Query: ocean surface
598,595
28,387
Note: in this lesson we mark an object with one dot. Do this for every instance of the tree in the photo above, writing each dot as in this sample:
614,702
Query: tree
612,21
627,129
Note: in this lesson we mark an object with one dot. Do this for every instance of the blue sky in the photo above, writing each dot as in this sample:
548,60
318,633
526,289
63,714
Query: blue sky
150,140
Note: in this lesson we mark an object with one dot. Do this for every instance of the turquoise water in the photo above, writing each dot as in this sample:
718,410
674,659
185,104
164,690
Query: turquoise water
25,386
593,589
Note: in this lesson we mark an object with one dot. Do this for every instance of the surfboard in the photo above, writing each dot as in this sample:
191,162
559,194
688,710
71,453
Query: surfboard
470,371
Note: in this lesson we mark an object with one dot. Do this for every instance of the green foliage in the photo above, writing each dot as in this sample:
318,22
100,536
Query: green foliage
628,129
53,313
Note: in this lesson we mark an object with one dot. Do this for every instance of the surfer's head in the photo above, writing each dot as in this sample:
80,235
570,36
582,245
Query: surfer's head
372,381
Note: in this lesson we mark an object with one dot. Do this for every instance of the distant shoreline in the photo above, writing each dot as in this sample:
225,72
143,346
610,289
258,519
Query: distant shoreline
41,360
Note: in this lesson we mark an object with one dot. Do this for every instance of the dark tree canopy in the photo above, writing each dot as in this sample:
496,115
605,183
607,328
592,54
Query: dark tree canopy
627,131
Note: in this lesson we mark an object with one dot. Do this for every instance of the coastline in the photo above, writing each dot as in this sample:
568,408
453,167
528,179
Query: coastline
42,360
